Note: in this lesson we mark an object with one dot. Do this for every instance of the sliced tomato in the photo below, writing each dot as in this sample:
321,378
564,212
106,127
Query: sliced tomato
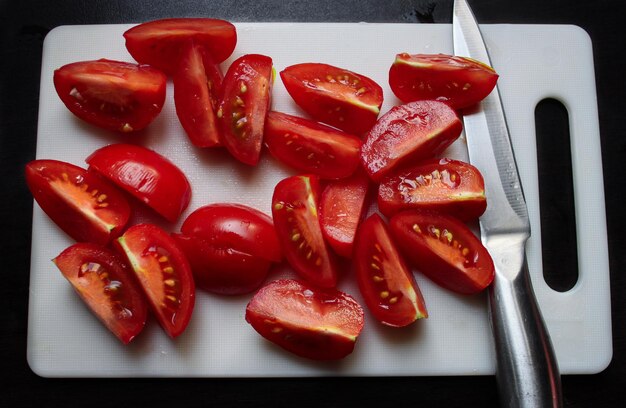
458,81
245,101
409,133
444,249
83,204
294,209
145,174
445,185
386,283
311,147
319,324
197,83
163,273
106,285
112,95
335,96
160,42
342,208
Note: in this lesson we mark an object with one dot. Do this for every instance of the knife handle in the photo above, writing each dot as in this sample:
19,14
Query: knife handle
526,369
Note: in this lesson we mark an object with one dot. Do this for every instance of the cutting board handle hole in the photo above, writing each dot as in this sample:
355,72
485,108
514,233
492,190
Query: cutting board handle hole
556,195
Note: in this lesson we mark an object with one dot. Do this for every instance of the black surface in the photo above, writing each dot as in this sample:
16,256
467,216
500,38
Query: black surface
23,27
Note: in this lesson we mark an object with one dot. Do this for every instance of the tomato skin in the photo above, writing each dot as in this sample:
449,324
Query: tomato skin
112,95
159,43
386,283
444,249
458,81
146,175
407,134
163,273
445,185
83,204
106,285
335,96
295,211
311,147
319,324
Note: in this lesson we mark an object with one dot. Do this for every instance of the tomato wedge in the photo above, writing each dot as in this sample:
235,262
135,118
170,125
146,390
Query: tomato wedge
113,95
159,43
319,324
335,96
409,133
444,185
386,283
163,273
458,81
146,175
197,83
245,102
84,205
311,147
294,209
106,285
444,249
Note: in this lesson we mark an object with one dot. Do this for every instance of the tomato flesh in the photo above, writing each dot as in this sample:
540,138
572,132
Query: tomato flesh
319,324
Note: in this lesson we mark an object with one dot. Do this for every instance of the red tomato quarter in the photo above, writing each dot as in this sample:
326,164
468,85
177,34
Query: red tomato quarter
145,174
112,95
163,273
386,283
106,285
444,249
84,205
320,324
335,96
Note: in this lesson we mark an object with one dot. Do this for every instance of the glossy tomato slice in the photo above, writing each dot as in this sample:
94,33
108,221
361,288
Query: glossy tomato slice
163,273
294,208
444,249
245,102
145,174
458,81
197,84
320,324
444,185
409,133
342,208
106,285
160,42
335,96
112,95
311,147
83,204
386,283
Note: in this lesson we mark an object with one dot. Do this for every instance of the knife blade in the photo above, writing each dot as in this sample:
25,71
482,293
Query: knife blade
526,368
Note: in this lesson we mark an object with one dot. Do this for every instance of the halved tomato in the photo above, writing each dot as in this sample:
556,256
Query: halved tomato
320,324
386,283
335,96
82,203
112,95
160,42
409,133
106,285
163,273
245,101
458,81
444,185
145,174
310,146
444,249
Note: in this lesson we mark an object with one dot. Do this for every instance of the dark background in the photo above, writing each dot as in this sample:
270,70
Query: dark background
23,27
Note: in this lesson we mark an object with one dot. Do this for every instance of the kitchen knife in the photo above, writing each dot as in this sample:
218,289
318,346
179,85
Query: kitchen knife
526,368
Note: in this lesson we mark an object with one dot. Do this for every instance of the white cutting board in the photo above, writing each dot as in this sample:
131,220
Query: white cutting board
534,62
